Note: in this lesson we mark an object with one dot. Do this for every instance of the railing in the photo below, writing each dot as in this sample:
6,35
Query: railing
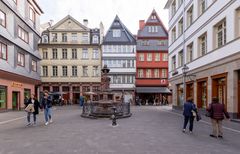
96,110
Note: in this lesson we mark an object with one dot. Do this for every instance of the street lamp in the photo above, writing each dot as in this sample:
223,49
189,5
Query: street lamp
184,72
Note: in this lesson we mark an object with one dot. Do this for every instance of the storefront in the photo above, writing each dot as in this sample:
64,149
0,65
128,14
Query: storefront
202,93
3,98
180,95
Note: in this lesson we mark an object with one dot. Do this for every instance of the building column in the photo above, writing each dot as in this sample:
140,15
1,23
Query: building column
232,93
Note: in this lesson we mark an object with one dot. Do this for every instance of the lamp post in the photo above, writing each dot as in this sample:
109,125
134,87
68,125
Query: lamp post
184,72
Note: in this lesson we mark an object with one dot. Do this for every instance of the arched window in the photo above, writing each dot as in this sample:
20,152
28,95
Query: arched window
44,39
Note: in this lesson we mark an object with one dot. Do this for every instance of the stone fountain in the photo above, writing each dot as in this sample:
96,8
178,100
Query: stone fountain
107,99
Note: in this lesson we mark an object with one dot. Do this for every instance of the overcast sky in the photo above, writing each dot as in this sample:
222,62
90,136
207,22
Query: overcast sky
129,11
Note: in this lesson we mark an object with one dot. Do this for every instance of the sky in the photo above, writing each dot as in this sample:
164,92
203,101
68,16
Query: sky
96,11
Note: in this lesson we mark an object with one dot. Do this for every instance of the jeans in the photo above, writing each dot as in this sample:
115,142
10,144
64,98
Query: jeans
48,114
217,127
190,119
29,117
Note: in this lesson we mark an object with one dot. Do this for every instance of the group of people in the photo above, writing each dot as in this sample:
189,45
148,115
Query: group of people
215,111
32,106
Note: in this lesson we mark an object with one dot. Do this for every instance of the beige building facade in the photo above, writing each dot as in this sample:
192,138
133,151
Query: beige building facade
71,59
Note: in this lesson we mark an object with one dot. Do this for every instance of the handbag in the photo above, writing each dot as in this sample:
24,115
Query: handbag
30,108
194,113
209,113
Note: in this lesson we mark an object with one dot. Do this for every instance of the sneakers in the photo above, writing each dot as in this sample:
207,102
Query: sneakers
46,123
190,132
28,124
51,121
184,130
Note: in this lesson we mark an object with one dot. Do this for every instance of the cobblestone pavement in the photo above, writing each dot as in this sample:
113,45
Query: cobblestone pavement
151,130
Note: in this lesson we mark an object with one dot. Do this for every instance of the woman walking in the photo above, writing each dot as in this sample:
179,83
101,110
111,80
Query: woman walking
36,105
189,112
47,106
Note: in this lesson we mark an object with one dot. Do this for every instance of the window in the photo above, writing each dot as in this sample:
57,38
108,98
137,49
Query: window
173,62
86,88
173,8
2,19
54,54
34,65
74,37
85,39
164,73
180,2
64,71
64,37
3,51
153,17
190,16
54,37
55,71
148,73
190,52
95,54
45,71
22,34
85,71
32,15
220,29
74,71
165,57
45,54
74,53
140,73
149,57
180,27
202,44
95,71
237,22
21,59
85,54
44,39
157,56
153,29
173,34
156,73
95,39
15,1
180,58
64,54
116,33
202,6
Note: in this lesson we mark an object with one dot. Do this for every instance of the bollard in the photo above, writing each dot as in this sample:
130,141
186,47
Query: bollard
114,118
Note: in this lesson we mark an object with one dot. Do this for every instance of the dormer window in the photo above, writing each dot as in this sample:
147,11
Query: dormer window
95,39
116,33
116,23
44,39
153,17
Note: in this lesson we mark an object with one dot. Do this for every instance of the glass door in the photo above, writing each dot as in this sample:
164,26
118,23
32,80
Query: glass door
3,97
15,99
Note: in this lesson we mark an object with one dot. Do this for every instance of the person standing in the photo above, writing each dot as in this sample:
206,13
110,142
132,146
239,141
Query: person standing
36,106
47,106
217,112
189,112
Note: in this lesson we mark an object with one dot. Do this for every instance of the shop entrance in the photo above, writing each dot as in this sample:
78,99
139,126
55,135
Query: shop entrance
15,100
202,93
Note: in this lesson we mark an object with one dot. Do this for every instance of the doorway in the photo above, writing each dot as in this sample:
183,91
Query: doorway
15,100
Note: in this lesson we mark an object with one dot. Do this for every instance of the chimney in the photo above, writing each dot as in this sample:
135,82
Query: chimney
141,24
85,22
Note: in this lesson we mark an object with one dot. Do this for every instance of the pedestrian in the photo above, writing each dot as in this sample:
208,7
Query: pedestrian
36,105
47,106
216,112
189,112
81,100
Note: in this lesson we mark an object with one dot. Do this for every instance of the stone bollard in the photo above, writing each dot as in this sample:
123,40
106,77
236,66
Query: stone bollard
113,117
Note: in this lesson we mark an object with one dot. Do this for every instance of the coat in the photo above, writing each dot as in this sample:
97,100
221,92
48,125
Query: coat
217,111
188,108
46,103
36,105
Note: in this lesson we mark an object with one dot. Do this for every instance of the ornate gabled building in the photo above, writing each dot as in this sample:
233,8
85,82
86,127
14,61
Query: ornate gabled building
71,59
119,54
19,56
152,61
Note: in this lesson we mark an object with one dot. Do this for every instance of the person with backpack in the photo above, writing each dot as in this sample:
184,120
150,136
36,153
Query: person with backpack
35,110
216,112
189,112
47,106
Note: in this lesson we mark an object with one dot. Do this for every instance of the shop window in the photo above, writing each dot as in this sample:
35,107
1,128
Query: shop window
202,94
3,97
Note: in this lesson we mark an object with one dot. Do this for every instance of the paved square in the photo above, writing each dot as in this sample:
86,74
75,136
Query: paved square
151,130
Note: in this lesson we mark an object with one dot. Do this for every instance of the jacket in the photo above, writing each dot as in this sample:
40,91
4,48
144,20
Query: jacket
36,105
46,103
217,111
188,108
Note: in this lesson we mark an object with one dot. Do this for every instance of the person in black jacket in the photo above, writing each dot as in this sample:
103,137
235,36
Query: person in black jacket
188,112
36,106
47,106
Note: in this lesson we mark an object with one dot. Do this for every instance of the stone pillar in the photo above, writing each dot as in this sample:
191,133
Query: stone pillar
71,94
209,90
232,86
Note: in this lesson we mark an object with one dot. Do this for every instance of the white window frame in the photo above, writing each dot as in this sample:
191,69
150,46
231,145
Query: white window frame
116,32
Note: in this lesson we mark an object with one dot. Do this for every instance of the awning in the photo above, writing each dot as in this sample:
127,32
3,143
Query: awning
163,90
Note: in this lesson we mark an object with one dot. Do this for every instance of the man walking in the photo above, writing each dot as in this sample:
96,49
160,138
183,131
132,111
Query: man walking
47,106
217,112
